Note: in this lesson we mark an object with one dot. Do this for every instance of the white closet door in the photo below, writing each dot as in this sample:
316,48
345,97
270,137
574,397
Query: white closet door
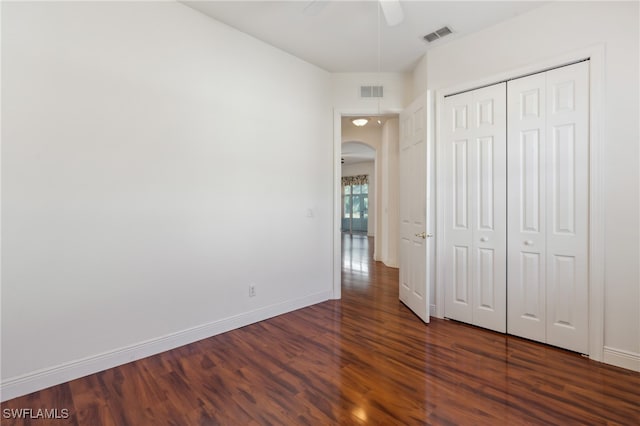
527,209
475,207
490,208
457,133
568,206
548,207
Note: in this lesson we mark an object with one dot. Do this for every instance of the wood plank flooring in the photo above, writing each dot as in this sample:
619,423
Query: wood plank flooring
363,360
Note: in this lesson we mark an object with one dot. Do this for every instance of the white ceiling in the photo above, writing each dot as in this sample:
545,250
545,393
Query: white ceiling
341,36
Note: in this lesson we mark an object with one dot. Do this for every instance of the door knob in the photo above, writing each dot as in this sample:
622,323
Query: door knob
422,235
528,243
484,239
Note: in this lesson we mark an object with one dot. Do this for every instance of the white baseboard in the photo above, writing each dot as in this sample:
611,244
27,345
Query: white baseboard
391,263
622,358
41,379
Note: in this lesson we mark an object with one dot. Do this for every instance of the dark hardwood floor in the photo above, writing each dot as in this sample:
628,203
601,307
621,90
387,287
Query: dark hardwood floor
363,360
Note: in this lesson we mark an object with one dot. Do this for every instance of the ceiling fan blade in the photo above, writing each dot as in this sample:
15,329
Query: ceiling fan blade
392,11
314,7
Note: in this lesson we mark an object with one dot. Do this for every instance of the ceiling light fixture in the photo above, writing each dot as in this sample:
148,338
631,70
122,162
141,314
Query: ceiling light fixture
359,121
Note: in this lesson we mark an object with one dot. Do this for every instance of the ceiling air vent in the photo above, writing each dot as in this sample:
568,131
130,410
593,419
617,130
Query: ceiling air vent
371,91
444,31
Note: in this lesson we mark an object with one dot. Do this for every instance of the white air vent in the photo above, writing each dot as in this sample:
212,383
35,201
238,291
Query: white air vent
371,91
444,31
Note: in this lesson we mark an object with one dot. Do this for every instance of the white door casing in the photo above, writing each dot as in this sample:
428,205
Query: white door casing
549,205
414,188
474,143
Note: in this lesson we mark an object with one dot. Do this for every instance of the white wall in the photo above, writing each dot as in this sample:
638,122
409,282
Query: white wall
154,163
390,193
346,91
552,30
366,168
418,80
371,135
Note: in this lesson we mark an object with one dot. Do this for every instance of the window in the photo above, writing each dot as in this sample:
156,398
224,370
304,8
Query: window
355,201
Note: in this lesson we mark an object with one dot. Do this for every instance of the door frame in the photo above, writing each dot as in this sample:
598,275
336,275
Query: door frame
596,55
338,113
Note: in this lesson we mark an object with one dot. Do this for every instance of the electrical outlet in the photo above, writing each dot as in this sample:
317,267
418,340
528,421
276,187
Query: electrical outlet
252,290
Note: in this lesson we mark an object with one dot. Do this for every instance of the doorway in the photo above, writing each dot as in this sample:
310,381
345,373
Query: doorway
368,156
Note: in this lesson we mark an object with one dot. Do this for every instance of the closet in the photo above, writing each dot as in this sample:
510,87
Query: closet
516,206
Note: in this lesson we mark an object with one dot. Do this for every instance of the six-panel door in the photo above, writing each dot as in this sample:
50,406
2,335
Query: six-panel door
545,295
475,207
548,207
414,265
527,189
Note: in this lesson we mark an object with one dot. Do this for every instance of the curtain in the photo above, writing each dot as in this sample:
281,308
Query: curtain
355,180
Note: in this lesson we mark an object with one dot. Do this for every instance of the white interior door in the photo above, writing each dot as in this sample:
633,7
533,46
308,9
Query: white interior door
568,207
527,311
548,205
414,150
474,135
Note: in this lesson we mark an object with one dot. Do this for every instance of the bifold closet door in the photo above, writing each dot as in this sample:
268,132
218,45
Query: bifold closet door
548,160
474,135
